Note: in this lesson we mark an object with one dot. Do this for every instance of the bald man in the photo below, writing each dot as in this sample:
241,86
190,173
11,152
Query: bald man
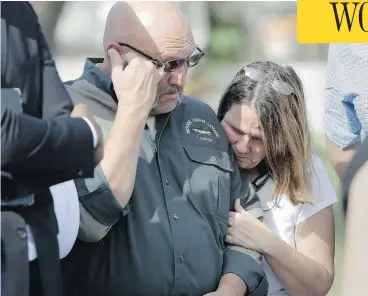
158,207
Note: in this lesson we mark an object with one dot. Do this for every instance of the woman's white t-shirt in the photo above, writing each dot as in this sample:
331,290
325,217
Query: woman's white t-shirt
282,219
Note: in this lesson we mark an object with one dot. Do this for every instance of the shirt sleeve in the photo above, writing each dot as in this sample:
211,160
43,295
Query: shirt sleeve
93,131
30,144
56,100
323,192
346,93
240,261
99,209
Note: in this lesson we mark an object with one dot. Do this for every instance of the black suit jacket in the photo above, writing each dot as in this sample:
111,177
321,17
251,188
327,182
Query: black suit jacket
43,143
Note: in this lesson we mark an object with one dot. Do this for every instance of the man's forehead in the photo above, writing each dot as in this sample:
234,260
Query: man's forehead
180,52
163,38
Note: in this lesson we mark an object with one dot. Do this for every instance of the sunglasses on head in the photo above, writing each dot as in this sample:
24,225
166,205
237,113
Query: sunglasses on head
277,84
171,65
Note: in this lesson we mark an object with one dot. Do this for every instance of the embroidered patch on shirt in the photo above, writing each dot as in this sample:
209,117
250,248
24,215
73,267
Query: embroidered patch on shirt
203,130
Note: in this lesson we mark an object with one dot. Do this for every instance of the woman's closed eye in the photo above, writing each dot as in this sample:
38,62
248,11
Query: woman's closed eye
256,138
237,131
243,134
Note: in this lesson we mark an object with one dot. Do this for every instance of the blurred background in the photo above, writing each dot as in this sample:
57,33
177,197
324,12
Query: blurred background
232,34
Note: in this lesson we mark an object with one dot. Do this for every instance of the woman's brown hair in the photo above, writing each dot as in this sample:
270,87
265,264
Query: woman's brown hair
278,99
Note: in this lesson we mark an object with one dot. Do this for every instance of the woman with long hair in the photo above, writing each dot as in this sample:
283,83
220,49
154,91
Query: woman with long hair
264,115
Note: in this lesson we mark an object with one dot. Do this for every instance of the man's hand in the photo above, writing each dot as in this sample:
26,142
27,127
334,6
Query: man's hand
81,110
135,79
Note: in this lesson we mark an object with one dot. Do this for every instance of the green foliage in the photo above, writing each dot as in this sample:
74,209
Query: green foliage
225,43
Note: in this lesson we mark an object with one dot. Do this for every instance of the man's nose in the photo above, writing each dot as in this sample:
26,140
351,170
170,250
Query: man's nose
178,77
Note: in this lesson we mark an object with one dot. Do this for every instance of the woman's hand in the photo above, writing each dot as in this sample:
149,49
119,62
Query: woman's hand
246,231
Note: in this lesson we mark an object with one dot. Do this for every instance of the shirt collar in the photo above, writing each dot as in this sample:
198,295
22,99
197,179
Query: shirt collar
94,75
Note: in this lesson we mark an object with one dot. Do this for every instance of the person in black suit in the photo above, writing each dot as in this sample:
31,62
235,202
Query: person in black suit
45,141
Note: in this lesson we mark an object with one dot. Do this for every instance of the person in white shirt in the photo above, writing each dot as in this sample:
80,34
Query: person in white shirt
66,207
264,115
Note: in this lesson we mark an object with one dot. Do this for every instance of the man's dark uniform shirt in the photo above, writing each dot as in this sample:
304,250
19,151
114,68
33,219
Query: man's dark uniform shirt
169,239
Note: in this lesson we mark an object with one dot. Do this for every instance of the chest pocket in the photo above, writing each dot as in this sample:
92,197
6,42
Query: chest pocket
210,170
